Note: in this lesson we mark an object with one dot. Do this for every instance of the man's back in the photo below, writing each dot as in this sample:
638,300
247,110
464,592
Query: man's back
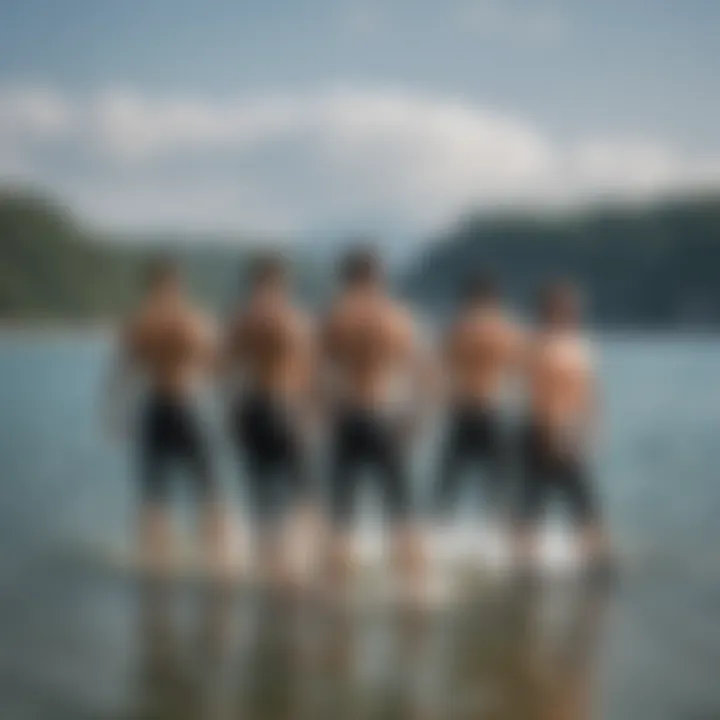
560,376
367,338
170,341
272,342
481,347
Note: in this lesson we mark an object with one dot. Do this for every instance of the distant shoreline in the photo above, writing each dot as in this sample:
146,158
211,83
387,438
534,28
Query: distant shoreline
42,329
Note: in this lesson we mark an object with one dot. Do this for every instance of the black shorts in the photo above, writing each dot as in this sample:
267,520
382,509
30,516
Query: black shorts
547,472
362,439
267,434
171,431
474,437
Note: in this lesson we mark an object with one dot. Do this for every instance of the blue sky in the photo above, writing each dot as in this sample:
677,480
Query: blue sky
338,115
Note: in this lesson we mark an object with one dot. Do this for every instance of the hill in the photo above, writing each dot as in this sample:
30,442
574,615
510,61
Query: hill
52,267
656,265
653,266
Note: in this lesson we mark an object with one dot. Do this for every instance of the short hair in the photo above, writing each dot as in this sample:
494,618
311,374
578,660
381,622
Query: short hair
360,265
557,296
159,270
482,288
267,267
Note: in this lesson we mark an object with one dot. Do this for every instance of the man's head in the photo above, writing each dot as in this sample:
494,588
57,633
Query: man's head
560,305
482,290
163,277
268,272
361,267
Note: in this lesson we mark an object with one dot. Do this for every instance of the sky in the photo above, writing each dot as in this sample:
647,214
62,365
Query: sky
307,118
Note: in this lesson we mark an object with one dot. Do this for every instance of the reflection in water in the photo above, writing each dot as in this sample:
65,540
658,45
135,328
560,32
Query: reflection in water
511,652
183,665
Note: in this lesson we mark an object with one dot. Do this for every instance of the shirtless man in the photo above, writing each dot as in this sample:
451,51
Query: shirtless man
270,346
172,345
561,426
481,348
369,343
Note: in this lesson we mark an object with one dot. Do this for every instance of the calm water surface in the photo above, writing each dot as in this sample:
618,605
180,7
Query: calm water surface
78,643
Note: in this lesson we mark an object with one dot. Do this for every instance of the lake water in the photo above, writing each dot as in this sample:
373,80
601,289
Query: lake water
78,643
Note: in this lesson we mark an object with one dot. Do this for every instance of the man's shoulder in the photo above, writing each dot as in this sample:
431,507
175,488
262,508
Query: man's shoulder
301,321
200,316
515,332
199,323
578,340
400,312
301,315
337,313
586,346
236,317
514,322
400,321
577,344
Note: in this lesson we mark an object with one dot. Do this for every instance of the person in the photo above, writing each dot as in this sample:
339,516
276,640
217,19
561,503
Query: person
481,350
172,345
270,346
369,342
561,427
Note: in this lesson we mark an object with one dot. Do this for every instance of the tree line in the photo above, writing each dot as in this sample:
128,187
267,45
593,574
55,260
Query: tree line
653,266
656,265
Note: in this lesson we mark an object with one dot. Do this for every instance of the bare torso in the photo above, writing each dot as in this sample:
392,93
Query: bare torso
172,344
271,344
367,339
560,380
480,350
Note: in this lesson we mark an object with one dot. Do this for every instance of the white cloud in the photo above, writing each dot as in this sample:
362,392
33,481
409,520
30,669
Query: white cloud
337,158
35,113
